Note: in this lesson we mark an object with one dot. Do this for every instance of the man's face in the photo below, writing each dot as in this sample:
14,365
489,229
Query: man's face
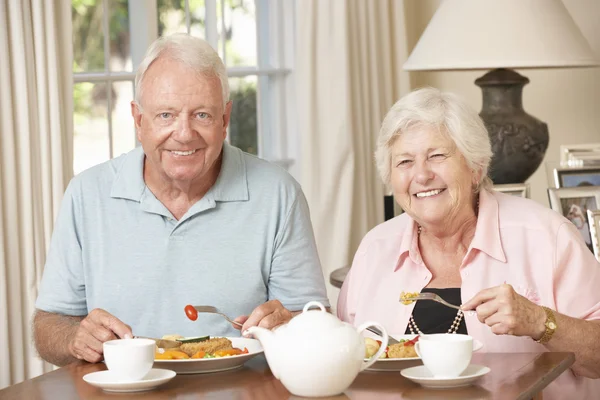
182,123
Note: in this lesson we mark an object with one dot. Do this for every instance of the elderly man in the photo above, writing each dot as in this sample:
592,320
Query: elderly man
185,219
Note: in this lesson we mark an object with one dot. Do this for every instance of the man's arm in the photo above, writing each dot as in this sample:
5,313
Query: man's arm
52,334
61,339
269,315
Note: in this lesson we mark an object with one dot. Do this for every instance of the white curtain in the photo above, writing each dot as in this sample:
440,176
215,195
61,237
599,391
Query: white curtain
349,72
35,163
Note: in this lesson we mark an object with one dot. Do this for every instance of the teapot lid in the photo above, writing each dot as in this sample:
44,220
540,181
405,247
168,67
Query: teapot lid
314,320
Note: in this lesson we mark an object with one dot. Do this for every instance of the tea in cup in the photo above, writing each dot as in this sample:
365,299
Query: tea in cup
445,355
129,359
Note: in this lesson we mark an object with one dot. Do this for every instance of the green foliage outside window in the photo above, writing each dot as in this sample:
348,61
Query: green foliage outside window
243,124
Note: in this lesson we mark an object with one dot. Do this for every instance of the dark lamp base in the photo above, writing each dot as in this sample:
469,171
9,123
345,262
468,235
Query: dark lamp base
519,140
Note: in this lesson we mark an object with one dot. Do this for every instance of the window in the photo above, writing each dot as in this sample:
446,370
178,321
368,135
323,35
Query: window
253,37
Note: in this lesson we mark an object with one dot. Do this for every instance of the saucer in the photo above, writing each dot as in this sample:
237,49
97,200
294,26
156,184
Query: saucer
107,381
423,377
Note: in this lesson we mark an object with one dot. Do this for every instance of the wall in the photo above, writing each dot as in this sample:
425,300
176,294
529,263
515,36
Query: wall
568,100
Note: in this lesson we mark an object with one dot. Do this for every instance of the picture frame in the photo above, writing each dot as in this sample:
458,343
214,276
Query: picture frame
514,189
576,177
573,204
594,222
583,159
579,154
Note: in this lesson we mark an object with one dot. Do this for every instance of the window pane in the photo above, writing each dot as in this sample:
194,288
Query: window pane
171,17
242,127
88,35
197,18
90,141
240,32
120,54
123,128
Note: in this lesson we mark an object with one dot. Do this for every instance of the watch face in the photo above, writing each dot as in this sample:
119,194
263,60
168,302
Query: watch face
551,325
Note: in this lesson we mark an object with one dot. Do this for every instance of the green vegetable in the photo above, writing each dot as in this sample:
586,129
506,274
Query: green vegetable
193,339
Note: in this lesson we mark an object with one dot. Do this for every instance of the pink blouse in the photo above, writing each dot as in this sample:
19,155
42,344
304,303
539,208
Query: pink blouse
517,241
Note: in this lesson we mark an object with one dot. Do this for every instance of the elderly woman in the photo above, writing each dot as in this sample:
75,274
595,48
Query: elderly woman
525,278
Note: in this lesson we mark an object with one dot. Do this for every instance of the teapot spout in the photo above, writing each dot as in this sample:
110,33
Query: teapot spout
269,343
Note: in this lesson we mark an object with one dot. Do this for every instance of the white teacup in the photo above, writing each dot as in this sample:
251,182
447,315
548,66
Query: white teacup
446,355
129,359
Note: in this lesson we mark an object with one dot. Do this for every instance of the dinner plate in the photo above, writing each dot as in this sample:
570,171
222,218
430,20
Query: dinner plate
398,364
109,381
423,377
206,365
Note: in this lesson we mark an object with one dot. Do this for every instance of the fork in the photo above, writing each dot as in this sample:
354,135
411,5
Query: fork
213,310
429,296
376,331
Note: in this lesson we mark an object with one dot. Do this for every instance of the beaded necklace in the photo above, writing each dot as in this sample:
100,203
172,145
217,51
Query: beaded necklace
412,325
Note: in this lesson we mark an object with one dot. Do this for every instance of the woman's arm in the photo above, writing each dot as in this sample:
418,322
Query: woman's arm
508,313
580,337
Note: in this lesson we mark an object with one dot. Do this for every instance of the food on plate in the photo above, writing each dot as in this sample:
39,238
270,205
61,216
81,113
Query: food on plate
209,346
193,339
171,354
371,347
403,349
172,337
405,297
199,347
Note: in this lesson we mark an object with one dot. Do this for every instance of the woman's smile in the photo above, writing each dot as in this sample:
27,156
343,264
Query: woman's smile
429,193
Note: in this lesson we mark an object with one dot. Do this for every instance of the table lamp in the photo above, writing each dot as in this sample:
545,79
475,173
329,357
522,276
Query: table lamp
501,35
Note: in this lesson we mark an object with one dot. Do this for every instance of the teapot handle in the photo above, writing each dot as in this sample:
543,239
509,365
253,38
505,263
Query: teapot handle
315,304
384,343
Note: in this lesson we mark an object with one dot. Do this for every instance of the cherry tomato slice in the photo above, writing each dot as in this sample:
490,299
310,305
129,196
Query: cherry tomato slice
412,342
191,312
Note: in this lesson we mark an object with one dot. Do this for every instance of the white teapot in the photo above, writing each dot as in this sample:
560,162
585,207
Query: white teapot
316,354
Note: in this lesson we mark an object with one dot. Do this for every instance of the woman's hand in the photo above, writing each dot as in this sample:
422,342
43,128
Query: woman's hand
508,313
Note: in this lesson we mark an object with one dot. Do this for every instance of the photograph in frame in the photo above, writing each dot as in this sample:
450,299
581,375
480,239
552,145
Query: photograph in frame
576,177
594,222
573,204
514,189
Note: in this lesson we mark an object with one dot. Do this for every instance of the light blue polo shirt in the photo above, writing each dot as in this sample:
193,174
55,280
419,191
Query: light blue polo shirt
116,247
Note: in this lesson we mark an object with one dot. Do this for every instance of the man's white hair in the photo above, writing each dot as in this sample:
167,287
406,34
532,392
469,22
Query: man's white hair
430,107
194,52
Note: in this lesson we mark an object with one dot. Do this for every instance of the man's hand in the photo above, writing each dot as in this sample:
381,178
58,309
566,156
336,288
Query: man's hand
268,315
95,329
507,313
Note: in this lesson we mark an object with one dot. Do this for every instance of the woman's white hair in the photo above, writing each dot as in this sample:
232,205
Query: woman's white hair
430,107
194,52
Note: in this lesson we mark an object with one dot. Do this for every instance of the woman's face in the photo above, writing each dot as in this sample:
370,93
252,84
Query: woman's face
430,179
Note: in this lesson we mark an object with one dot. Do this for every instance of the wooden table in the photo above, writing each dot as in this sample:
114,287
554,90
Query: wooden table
513,376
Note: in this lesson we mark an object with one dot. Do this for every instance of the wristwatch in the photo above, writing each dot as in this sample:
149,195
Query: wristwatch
550,326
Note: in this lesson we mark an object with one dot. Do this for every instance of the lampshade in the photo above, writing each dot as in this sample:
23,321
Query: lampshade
487,34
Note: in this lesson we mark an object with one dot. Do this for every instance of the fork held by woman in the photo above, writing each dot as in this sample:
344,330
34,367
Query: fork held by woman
426,296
